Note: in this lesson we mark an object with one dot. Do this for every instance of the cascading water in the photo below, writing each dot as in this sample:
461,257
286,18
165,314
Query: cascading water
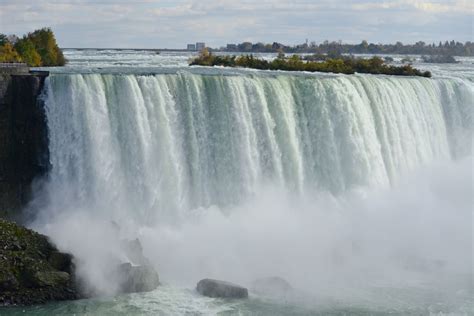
318,179
160,145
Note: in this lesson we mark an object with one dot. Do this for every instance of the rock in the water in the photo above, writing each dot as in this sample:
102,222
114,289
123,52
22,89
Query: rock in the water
271,286
137,278
32,270
217,288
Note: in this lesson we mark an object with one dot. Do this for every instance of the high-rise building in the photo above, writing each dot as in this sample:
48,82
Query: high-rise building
191,47
200,46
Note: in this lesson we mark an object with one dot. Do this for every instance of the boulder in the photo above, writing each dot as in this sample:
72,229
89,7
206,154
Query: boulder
137,278
271,286
217,288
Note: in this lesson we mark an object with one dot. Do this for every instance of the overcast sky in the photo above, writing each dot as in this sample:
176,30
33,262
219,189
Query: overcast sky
173,23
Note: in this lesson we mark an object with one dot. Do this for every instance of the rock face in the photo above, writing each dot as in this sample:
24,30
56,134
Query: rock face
32,270
271,286
24,152
50,278
137,278
217,288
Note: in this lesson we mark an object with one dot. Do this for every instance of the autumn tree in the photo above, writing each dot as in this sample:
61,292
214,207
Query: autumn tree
46,46
8,54
27,50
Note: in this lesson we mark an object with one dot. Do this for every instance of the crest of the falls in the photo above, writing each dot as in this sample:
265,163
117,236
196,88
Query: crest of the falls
156,146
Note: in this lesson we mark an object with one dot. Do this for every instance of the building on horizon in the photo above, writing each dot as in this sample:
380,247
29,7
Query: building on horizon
191,47
200,46
231,46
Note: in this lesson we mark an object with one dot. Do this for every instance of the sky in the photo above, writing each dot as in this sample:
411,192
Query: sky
173,24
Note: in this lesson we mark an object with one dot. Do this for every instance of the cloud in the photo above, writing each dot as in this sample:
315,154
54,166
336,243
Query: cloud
459,6
166,23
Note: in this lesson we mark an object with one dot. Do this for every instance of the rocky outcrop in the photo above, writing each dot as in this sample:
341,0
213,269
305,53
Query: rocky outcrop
32,270
223,289
24,153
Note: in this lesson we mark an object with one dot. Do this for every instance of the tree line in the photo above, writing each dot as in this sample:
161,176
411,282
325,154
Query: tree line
37,49
451,48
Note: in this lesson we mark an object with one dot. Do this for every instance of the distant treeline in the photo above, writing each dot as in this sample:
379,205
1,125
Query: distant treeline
450,48
36,49
348,65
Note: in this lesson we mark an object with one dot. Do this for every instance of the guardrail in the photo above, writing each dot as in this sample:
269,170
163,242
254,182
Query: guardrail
13,65
11,69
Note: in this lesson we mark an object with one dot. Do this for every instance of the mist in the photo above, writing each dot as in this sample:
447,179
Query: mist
416,233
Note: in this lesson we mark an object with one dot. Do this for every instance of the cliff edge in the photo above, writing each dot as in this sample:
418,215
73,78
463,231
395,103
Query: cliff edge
24,154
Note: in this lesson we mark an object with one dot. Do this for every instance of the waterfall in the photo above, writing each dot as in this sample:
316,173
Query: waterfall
156,146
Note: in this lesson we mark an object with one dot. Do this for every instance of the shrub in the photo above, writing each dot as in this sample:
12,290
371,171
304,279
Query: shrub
345,65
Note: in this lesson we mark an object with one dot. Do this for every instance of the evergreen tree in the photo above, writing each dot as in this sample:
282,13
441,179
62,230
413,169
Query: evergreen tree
3,39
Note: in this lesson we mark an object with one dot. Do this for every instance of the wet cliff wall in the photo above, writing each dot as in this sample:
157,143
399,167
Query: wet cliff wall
24,154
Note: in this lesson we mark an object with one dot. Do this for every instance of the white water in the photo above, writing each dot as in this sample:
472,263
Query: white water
321,180
162,145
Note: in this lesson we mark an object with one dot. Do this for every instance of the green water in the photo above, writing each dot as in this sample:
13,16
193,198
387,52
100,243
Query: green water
169,300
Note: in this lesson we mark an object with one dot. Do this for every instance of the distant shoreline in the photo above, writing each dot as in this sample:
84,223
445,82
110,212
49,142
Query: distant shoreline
133,49
228,52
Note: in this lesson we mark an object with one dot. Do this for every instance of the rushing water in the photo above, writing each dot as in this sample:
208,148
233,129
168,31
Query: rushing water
165,144
357,189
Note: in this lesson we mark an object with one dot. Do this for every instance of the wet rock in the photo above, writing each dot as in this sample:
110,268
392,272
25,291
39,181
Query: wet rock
218,288
14,245
137,278
32,270
24,149
8,281
51,278
271,286
60,261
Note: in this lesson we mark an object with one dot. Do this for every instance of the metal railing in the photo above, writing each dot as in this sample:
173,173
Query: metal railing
11,65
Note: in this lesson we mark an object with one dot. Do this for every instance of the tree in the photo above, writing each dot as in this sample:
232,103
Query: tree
3,39
27,50
45,44
8,54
